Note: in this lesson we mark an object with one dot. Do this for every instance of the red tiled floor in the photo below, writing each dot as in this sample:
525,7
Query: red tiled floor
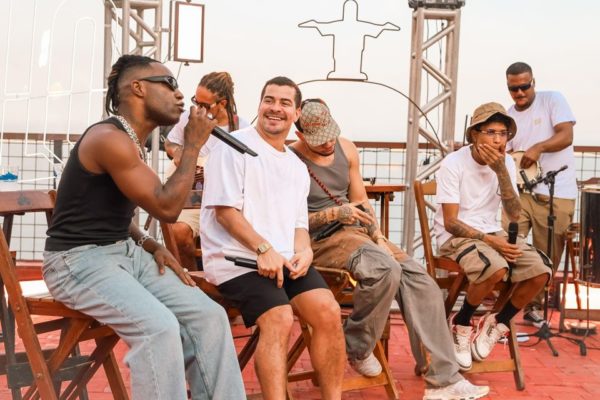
567,377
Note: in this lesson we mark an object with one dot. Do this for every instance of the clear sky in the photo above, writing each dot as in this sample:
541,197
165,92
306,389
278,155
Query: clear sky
257,39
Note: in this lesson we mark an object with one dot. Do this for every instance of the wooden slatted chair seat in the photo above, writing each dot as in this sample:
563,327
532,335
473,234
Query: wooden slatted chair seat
46,368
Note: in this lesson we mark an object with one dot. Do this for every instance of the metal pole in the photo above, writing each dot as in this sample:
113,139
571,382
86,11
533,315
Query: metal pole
446,75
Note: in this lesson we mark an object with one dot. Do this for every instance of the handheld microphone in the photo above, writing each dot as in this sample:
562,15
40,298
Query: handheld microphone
231,141
513,231
242,262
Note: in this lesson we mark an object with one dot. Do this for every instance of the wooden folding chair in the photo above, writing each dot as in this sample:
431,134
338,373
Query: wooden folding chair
193,201
456,282
46,369
340,282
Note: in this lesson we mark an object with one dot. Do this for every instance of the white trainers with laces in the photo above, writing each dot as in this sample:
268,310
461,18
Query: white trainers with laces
461,336
534,318
461,390
370,366
487,335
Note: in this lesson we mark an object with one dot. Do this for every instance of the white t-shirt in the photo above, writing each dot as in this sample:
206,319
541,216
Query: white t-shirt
536,124
270,190
176,134
474,187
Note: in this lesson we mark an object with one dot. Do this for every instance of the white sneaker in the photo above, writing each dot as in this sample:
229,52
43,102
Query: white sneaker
534,318
368,367
461,390
461,336
488,333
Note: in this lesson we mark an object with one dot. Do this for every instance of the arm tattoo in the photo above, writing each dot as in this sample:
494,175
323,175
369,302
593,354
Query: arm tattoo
371,228
345,214
510,201
317,219
460,229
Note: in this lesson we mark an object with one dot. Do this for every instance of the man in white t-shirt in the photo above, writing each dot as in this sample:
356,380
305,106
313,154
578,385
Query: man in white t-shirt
471,184
255,208
545,133
215,94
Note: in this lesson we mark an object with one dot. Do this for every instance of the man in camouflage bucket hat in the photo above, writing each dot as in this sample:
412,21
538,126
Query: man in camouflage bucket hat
382,270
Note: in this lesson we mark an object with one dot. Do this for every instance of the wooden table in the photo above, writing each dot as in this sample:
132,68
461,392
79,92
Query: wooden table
384,193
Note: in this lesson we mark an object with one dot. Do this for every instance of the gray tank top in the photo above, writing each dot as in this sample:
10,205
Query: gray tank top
336,178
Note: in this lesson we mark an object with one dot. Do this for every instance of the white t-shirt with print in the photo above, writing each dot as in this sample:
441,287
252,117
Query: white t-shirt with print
176,134
474,187
271,192
536,124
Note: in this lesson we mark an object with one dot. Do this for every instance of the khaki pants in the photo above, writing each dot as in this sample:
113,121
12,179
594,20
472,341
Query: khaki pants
534,217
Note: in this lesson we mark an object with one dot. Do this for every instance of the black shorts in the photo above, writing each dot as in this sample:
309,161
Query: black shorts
254,295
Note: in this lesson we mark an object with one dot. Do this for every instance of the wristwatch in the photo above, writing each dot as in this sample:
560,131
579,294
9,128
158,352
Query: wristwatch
263,248
381,237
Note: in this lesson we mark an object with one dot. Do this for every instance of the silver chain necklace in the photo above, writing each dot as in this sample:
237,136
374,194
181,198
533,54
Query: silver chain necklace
133,136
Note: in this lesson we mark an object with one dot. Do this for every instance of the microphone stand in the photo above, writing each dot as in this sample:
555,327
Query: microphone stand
544,333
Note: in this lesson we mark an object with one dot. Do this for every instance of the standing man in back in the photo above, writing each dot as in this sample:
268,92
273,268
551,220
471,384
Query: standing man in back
545,133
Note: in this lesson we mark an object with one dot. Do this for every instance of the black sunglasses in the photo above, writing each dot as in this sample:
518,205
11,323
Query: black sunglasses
523,88
166,79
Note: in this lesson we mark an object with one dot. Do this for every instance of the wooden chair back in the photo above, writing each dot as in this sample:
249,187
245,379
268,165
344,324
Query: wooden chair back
456,282
45,368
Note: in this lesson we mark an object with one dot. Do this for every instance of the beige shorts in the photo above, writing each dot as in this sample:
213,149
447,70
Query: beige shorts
189,217
192,219
480,261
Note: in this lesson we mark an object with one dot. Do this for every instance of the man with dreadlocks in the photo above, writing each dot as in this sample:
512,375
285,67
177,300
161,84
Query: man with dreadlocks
215,94
382,270
99,262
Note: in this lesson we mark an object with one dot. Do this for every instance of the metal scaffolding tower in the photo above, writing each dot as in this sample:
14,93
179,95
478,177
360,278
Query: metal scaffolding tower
444,74
133,16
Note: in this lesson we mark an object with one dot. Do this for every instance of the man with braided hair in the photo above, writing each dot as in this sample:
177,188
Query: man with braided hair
382,270
97,260
215,94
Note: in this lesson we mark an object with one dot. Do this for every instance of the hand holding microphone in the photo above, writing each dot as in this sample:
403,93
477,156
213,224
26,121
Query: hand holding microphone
231,141
513,231
199,120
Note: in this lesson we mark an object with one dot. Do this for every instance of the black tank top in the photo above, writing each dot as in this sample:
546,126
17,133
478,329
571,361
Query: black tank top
90,208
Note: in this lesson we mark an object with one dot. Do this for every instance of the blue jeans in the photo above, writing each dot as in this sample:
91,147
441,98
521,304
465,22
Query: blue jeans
172,330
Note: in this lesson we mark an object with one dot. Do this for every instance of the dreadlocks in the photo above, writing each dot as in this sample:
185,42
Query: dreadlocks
221,84
124,63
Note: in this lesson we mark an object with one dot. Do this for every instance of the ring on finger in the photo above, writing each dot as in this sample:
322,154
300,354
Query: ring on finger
185,270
